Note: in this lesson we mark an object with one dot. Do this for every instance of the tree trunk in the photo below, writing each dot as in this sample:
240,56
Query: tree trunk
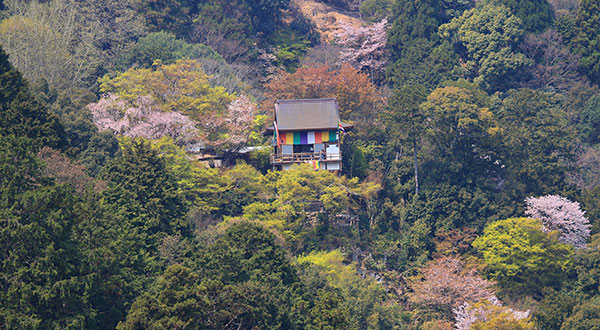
416,165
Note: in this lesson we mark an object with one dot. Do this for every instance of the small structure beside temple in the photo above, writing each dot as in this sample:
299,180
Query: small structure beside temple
307,131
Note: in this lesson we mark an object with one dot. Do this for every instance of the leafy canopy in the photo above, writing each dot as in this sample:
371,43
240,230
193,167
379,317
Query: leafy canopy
182,86
521,257
487,36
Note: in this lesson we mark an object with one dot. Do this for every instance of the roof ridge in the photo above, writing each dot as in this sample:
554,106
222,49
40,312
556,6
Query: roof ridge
306,100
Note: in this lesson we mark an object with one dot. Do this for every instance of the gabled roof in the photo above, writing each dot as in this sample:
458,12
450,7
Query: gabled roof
307,114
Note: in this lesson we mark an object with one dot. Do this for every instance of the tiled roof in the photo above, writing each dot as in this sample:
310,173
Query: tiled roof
307,114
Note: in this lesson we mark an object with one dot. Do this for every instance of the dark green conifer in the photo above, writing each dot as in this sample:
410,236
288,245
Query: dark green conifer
20,114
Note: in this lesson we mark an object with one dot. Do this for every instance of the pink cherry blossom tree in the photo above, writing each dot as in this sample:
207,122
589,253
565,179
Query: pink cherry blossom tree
232,130
364,47
446,284
143,119
227,130
241,113
559,213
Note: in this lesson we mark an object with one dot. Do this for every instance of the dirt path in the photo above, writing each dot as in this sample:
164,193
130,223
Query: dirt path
326,19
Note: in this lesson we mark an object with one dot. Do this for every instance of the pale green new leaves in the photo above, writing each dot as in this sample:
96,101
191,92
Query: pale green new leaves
521,257
293,195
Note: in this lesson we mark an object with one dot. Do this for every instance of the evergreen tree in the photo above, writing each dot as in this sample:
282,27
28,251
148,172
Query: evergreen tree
535,120
167,15
587,40
535,14
40,286
242,280
413,19
145,193
83,141
115,263
486,38
406,118
589,121
20,114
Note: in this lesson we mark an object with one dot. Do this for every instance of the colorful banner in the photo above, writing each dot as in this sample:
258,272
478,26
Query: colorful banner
332,136
276,135
315,164
308,137
318,137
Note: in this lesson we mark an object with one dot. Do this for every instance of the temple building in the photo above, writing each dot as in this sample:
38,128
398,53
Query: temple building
307,131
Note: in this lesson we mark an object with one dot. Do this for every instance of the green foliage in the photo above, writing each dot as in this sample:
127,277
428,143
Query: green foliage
144,192
521,257
166,15
461,128
182,86
230,19
266,13
122,254
290,48
589,121
115,262
165,47
291,41
565,25
82,139
332,263
258,16
424,63
209,191
413,19
364,302
375,10
297,197
20,114
403,116
66,262
182,299
244,187
586,264
354,163
415,24
585,316
52,40
536,120
417,242
247,251
587,40
553,309
39,266
499,318
40,286
487,36
243,277
177,304
201,187
405,121
260,159
535,14
233,27
19,168
590,200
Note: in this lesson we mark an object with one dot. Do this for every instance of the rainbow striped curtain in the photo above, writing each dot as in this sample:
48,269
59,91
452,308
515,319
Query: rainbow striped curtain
308,137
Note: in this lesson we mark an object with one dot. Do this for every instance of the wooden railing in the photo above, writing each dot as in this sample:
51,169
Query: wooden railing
301,157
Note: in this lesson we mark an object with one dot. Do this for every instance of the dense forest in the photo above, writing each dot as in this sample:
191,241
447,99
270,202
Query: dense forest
469,196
